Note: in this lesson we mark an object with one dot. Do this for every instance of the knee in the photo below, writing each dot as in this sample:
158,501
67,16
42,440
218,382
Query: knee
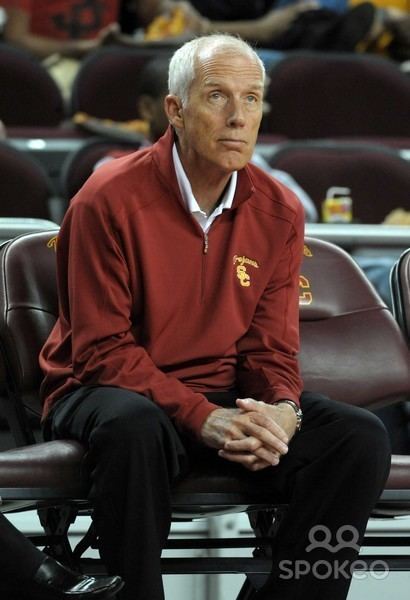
367,437
133,420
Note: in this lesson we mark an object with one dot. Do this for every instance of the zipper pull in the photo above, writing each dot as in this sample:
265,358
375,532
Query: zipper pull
205,243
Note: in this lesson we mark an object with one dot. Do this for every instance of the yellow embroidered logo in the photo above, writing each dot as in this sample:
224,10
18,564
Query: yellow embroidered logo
52,243
305,295
241,262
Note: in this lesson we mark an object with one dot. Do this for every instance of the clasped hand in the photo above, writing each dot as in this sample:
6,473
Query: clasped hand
254,434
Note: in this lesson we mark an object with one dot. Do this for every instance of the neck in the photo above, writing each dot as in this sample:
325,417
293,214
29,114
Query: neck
208,185
208,198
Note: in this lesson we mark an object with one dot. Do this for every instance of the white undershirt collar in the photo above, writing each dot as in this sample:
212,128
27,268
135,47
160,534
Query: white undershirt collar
191,204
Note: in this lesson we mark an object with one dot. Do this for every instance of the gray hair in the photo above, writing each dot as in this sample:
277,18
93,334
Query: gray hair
183,62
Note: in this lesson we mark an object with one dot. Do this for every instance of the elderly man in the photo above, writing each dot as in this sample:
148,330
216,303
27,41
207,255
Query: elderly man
178,333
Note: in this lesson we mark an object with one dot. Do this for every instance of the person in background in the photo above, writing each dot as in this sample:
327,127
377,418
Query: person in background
74,28
378,268
376,26
178,335
61,33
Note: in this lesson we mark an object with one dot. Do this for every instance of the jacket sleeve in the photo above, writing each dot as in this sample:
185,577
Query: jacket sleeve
268,367
96,308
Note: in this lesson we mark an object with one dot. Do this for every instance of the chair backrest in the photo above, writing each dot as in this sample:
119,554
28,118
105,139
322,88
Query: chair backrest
377,176
79,164
317,95
352,347
106,84
25,187
29,96
29,306
400,288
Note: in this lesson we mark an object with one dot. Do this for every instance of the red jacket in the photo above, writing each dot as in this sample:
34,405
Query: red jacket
150,303
67,19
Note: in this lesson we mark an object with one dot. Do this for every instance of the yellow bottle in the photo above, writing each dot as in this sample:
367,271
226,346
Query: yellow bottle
337,206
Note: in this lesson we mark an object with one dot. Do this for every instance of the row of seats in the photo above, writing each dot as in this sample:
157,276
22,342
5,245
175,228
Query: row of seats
378,177
315,95
310,95
352,349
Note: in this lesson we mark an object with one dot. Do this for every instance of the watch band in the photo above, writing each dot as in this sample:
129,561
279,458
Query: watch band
296,408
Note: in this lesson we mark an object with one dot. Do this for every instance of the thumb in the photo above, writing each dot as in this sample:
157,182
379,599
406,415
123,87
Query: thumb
246,403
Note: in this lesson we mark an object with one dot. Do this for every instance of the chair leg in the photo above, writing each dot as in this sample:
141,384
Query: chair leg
247,591
265,525
56,522
88,541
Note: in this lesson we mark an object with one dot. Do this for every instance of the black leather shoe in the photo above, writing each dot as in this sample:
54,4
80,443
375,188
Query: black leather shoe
54,581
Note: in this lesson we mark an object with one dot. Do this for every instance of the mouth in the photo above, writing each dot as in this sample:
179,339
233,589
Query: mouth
233,143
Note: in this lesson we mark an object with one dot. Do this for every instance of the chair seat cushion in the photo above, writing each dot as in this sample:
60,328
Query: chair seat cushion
55,465
399,476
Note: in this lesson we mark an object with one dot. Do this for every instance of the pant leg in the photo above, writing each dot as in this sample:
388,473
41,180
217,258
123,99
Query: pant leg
134,453
331,477
19,558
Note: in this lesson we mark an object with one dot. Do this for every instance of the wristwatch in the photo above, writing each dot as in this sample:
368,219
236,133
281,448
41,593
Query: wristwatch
296,408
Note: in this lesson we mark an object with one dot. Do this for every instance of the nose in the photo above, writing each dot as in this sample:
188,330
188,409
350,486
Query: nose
236,113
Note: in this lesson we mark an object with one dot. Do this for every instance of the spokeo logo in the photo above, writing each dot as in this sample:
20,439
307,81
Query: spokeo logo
320,543
325,537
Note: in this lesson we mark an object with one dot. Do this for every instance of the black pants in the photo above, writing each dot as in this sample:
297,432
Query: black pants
19,558
331,478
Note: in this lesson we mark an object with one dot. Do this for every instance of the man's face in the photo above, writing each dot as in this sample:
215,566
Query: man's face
221,120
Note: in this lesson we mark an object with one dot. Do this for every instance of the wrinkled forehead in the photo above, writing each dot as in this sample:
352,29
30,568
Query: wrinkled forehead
225,59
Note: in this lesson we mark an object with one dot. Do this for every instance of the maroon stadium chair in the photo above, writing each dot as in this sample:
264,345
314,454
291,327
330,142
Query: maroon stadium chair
400,287
378,177
326,95
25,187
79,164
29,96
347,333
106,84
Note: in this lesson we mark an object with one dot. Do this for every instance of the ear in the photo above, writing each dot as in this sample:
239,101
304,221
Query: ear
174,111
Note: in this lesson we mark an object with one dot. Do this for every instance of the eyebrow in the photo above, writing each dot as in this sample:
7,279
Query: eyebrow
213,83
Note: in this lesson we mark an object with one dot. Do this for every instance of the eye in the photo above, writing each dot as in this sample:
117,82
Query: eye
215,96
252,99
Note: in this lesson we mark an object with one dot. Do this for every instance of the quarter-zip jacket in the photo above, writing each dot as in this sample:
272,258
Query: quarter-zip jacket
150,303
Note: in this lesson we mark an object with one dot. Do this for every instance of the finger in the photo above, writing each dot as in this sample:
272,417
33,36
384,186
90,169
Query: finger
253,447
248,461
259,427
250,405
266,427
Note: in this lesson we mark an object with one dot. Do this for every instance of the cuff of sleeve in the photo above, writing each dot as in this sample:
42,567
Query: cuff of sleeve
271,396
194,420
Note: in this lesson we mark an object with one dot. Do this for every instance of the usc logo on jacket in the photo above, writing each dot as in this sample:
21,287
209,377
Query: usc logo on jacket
241,264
